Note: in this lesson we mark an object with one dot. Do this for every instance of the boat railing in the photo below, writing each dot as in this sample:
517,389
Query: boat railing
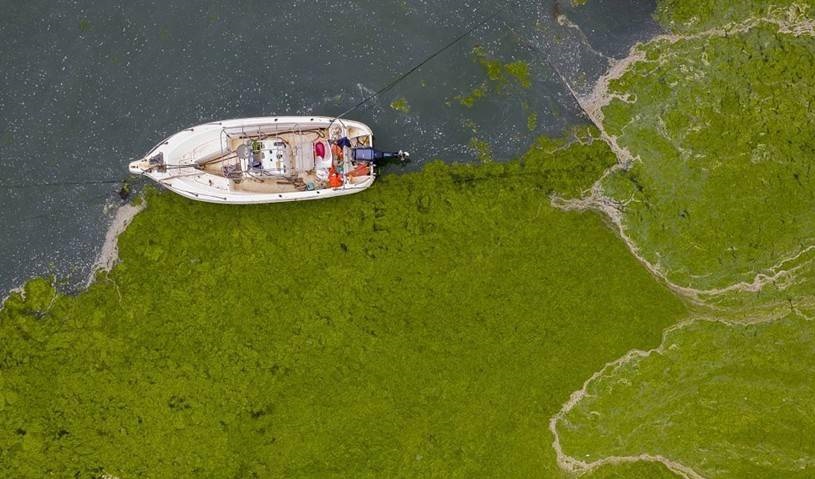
264,130
257,130
166,141
162,142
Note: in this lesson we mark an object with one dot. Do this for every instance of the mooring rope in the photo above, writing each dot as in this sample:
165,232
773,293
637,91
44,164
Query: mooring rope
419,65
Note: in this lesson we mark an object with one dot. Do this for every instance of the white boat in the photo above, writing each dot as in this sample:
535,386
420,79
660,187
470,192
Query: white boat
265,160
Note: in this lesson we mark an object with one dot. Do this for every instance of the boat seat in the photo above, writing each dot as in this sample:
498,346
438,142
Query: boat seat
303,157
321,164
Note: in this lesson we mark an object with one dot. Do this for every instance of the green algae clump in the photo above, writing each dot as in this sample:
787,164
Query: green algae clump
401,105
471,98
499,73
532,121
483,150
520,72
500,76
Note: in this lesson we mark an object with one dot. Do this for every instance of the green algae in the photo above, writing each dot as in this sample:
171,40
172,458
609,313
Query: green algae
786,289
401,105
433,324
720,193
475,94
483,150
429,326
634,470
723,187
683,16
493,68
519,71
729,401
500,77
500,73
532,121
589,158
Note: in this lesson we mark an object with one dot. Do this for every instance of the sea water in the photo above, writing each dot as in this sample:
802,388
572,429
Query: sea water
87,86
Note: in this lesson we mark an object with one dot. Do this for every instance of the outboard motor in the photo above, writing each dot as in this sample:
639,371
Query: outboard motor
376,156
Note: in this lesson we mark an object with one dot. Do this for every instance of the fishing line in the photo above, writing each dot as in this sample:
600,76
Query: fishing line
554,68
121,181
413,70
62,183
69,209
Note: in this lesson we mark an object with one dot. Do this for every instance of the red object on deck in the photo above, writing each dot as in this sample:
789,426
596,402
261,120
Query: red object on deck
319,149
361,170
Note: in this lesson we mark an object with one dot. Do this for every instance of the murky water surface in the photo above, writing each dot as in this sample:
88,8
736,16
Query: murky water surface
86,86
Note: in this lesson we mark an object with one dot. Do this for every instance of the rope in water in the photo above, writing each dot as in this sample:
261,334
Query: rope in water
61,183
521,38
119,181
419,65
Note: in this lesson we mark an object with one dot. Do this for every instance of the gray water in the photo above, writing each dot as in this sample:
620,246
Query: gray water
87,85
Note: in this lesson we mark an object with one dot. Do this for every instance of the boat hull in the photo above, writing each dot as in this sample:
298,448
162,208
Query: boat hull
183,162
208,196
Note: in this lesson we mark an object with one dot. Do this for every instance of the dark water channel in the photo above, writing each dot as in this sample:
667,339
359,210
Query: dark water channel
86,86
